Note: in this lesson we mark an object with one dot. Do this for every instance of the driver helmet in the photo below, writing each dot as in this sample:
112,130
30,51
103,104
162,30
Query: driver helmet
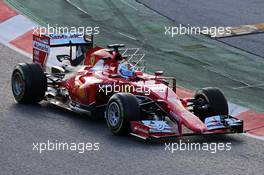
126,70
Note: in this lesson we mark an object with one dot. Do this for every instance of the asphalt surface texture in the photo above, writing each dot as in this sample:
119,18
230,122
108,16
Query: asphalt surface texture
216,13
23,125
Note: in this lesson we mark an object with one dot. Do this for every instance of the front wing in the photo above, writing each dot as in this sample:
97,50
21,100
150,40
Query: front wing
154,130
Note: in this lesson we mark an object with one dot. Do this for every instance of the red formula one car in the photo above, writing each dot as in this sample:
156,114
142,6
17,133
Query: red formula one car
70,72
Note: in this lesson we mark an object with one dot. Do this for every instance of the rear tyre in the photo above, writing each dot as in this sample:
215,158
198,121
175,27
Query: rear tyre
29,83
121,109
210,101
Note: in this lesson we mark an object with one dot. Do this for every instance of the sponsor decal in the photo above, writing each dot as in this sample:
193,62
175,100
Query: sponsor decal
82,93
64,36
40,46
57,39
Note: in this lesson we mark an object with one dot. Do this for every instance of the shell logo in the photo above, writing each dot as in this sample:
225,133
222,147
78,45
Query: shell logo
92,59
81,92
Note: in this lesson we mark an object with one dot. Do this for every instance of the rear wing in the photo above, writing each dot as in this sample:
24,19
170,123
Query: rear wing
43,43
66,39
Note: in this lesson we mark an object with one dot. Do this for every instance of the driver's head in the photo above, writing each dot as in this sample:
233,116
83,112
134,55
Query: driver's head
126,70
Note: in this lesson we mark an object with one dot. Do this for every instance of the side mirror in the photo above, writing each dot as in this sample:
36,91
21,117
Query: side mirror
61,58
158,73
88,38
138,73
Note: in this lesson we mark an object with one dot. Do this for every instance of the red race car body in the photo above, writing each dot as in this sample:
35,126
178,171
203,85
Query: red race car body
110,83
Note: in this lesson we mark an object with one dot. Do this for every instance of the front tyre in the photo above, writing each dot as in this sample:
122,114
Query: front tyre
29,83
210,101
121,109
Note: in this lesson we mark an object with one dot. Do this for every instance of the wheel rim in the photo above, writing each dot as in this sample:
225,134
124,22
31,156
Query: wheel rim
113,115
17,84
201,101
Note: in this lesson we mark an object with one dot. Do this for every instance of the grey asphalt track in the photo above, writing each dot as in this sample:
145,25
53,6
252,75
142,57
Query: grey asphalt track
216,13
21,125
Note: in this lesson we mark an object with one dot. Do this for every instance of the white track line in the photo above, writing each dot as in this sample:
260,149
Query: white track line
130,37
15,27
82,10
79,8
235,110
125,2
249,86
254,136
22,52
